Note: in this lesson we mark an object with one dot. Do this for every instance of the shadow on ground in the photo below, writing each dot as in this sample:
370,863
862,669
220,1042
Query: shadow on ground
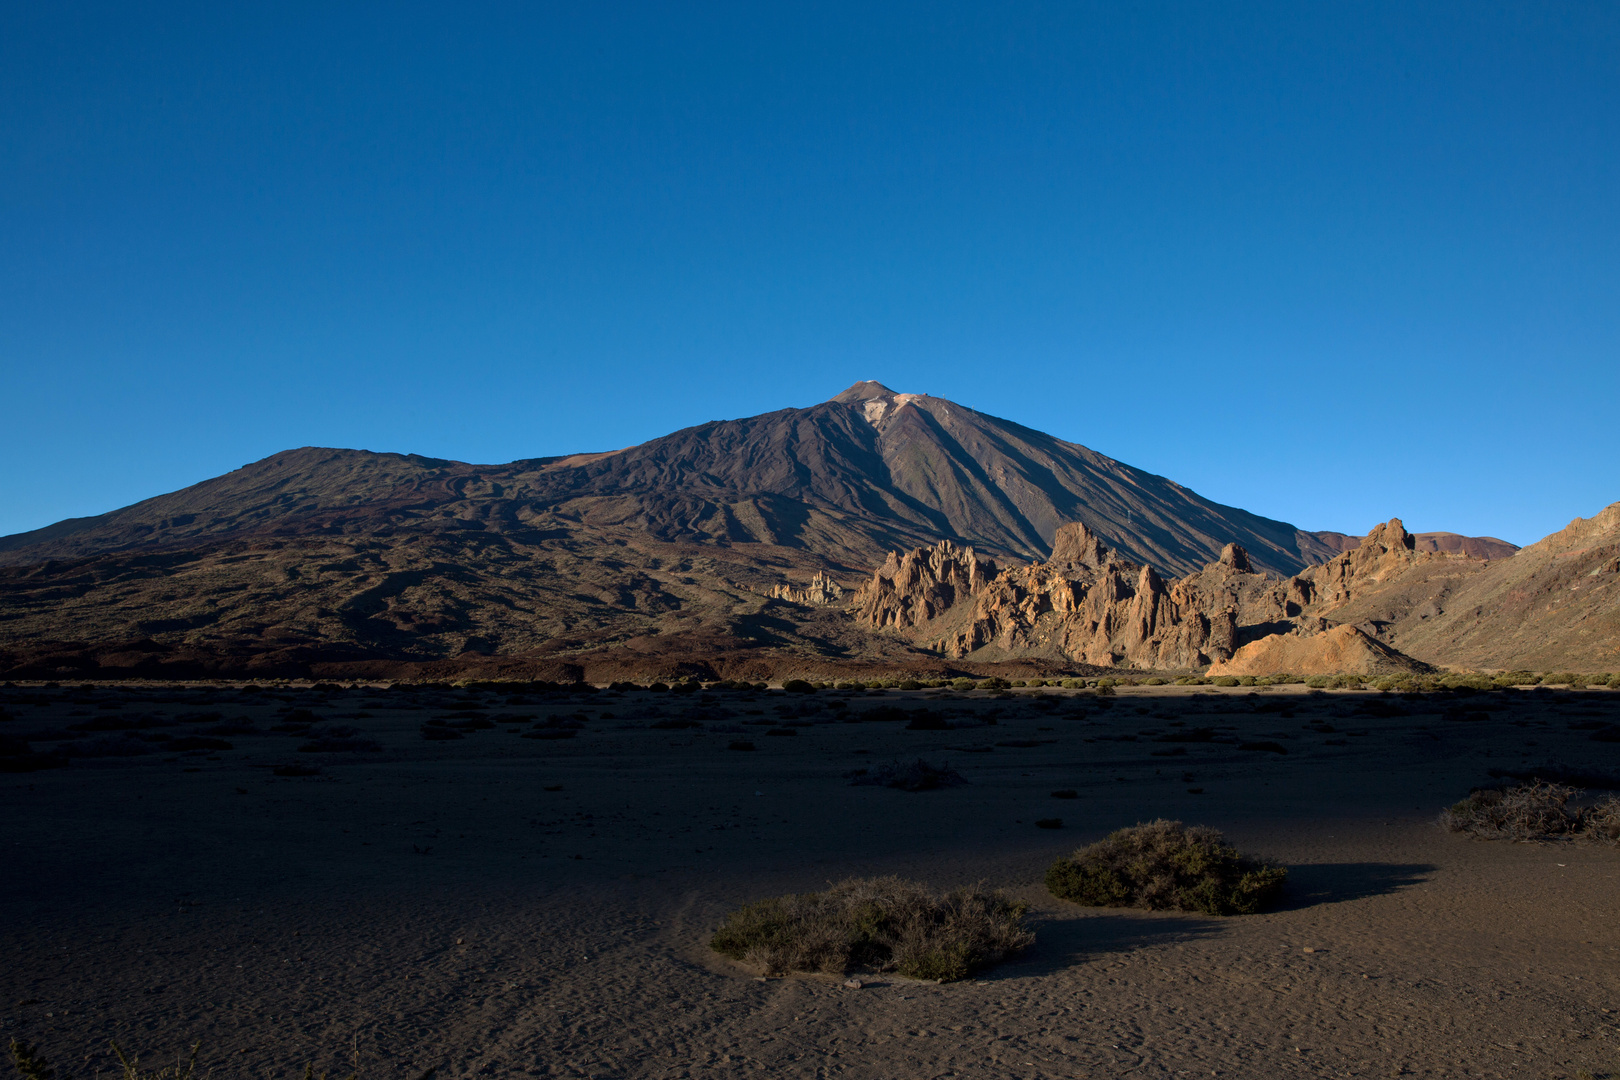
1064,942
1334,883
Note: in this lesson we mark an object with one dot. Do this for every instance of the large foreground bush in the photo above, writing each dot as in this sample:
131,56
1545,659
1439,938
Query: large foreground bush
1533,812
1166,866
876,924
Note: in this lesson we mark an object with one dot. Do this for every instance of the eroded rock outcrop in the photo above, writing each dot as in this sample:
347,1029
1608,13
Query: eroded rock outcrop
1087,605
821,592
920,585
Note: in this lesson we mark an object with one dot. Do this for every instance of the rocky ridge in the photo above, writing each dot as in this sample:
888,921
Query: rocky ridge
1087,605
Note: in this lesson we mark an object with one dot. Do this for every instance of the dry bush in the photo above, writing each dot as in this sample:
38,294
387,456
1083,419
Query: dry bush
909,776
876,924
1600,822
1535,811
1166,866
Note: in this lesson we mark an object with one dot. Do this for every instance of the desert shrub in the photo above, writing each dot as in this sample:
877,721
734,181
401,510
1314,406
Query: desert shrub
1536,811
1319,682
658,686
1600,822
917,775
1155,681
1191,680
1074,684
1065,793
798,686
876,924
1561,678
1533,811
911,684
1224,680
1516,678
1166,866
994,683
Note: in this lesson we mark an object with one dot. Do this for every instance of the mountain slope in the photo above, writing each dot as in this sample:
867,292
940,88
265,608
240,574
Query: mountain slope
846,480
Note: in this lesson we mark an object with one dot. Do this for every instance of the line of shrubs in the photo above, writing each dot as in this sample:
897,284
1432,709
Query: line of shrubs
889,924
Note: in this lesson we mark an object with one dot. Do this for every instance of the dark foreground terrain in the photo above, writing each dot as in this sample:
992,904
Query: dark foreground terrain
295,875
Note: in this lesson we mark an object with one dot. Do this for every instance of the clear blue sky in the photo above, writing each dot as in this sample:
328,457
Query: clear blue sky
1327,262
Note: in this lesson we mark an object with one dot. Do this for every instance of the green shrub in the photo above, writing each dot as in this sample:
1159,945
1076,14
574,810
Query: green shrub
962,684
911,684
1560,678
1225,680
1154,681
1516,678
1614,682
1018,682
1166,866
876,924
1192,680
798,686
1319,682
1074,684
994,683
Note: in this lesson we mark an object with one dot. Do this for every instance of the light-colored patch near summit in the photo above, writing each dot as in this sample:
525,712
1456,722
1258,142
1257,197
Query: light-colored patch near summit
879,408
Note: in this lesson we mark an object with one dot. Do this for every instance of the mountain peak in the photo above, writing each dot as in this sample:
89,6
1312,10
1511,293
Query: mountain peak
865,390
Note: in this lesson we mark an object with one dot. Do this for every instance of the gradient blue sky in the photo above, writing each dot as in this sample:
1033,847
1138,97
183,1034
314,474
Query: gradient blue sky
1330,262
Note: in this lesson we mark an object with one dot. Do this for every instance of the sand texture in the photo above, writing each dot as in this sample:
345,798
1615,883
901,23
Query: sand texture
430,903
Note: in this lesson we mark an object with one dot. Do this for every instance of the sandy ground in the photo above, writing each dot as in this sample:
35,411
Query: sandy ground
434,904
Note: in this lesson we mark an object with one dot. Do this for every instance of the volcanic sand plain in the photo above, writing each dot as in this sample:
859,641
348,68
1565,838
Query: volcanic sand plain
501,905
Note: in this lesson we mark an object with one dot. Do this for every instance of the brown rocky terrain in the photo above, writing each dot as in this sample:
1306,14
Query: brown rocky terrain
736,547
720,540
